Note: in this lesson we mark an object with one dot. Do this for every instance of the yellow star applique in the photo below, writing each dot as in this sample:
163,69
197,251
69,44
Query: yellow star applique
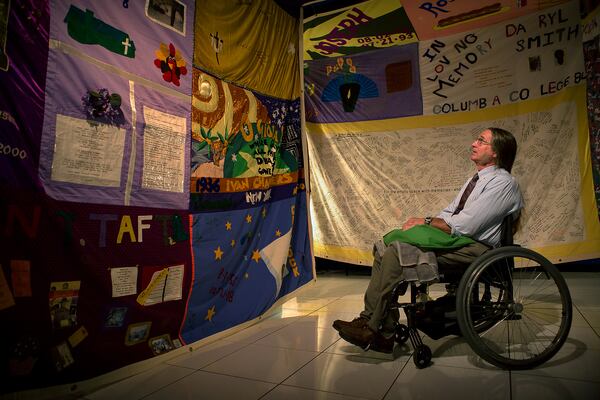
256,255
210,313
228,226
277,233
248,218
295,191
218,253
232,242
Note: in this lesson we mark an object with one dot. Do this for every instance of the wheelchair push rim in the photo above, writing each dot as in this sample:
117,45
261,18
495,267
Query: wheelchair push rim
525,315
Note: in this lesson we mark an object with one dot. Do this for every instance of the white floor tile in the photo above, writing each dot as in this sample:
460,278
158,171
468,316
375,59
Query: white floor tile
570,363
579,282
283,392
358,296
265,363
294,353
587,296
206,355
454,351
528,387
324,319
287,313
583,337
578,319
280,319
342,347
301,337
258,331
206,385
141,385
591,315
349,375
440,382
351,306
337,286
307,303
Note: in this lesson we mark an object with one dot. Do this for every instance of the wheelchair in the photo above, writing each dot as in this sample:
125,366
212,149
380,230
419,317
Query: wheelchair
511,305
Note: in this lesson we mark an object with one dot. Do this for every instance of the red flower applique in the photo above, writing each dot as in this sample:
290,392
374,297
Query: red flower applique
170,62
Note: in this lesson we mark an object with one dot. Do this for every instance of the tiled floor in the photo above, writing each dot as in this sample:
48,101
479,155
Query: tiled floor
296,354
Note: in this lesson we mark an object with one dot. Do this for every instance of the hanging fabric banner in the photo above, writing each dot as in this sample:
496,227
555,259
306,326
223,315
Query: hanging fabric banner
434,19
527,58
379,84
369,25
249,227
244,260
392,170
235,40
591,49
80,313
22,83
119,133
237,133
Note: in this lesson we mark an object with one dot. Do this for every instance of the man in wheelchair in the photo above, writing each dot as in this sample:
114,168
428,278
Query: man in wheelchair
471,225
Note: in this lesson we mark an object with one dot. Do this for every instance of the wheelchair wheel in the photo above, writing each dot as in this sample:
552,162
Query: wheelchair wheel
514,308
402,334
422,356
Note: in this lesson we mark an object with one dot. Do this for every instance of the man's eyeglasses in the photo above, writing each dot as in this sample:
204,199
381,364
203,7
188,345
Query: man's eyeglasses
481,141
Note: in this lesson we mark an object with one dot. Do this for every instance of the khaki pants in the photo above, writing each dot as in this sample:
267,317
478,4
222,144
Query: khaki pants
386,274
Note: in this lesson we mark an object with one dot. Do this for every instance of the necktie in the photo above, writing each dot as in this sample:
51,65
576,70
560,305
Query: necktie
466,193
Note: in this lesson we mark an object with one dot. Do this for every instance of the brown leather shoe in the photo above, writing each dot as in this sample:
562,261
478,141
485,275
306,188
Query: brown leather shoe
357,322
360,337
366,339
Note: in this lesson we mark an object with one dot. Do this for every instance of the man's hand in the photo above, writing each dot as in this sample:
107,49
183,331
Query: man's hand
412,222
435,222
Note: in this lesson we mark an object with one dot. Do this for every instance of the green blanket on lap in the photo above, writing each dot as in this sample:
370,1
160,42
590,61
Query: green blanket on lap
427,237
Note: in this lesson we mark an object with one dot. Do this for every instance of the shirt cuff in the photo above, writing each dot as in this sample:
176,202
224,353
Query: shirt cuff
447,219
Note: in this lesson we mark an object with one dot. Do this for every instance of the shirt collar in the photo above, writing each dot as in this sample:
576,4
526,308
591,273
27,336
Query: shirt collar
487,171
